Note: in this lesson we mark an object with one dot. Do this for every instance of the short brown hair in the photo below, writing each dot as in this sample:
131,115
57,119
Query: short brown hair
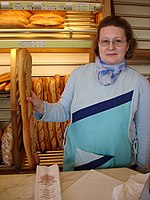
122,23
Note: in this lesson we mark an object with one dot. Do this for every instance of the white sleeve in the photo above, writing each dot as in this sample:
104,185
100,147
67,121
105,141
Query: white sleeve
142,121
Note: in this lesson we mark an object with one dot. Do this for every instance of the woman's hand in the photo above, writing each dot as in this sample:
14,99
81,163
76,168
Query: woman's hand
37,104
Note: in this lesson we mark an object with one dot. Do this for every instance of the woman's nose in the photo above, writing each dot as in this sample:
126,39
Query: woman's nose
111,45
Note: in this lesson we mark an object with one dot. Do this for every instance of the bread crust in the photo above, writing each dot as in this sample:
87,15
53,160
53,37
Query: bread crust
24,13
2,86
25,83
41,26
8,22
7,146
4,77
47,19
7,87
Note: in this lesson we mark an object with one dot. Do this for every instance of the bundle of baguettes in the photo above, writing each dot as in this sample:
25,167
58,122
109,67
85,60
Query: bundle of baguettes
14,19
50,134
46,19
25,85
5,81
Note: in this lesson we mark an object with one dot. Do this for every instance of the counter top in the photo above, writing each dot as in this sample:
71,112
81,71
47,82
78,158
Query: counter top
22,186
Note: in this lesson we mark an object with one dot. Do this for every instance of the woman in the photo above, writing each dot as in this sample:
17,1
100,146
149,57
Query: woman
108,103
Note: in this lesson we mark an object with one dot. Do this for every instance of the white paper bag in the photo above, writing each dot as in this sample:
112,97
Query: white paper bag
135,188
47,183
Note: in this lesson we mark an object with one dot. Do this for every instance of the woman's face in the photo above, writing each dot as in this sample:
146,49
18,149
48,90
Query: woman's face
112,45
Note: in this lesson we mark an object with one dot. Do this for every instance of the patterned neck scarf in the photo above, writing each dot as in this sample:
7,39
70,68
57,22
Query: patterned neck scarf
107,74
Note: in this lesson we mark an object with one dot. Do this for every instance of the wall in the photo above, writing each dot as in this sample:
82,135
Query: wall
137,12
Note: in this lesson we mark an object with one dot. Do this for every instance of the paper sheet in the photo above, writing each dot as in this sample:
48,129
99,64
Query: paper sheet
91,186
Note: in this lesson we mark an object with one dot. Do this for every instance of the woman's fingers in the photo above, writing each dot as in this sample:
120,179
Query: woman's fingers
36,103
33,94
33,98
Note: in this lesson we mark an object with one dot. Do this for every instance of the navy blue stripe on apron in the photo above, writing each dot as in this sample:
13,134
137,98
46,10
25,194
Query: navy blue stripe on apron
94,164
102,106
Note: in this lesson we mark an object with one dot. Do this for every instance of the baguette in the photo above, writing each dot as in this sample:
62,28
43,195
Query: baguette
57,85
51,125
7,146
58,134
4,77
45,126
7,87
2,86
34,81
59,129
40,124
0,136
25,83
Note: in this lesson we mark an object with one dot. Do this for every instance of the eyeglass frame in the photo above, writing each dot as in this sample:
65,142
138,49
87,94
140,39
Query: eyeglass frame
113,42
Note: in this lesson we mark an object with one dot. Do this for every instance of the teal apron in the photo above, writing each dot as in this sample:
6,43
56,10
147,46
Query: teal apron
98,134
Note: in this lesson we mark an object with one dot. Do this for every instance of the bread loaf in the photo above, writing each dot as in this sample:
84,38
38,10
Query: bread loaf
14,19
46,19
24,13
7,146
7,87
43,12
39,92
51,125
0,135
4,77
0,143
7,22
2,86
53,90
57,85
25,83
34,81
45,126
40,26
59,130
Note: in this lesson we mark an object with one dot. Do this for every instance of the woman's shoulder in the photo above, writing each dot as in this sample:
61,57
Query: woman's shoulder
142,81
133,71
82,68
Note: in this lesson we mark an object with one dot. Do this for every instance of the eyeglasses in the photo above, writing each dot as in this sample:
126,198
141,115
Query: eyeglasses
116,43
